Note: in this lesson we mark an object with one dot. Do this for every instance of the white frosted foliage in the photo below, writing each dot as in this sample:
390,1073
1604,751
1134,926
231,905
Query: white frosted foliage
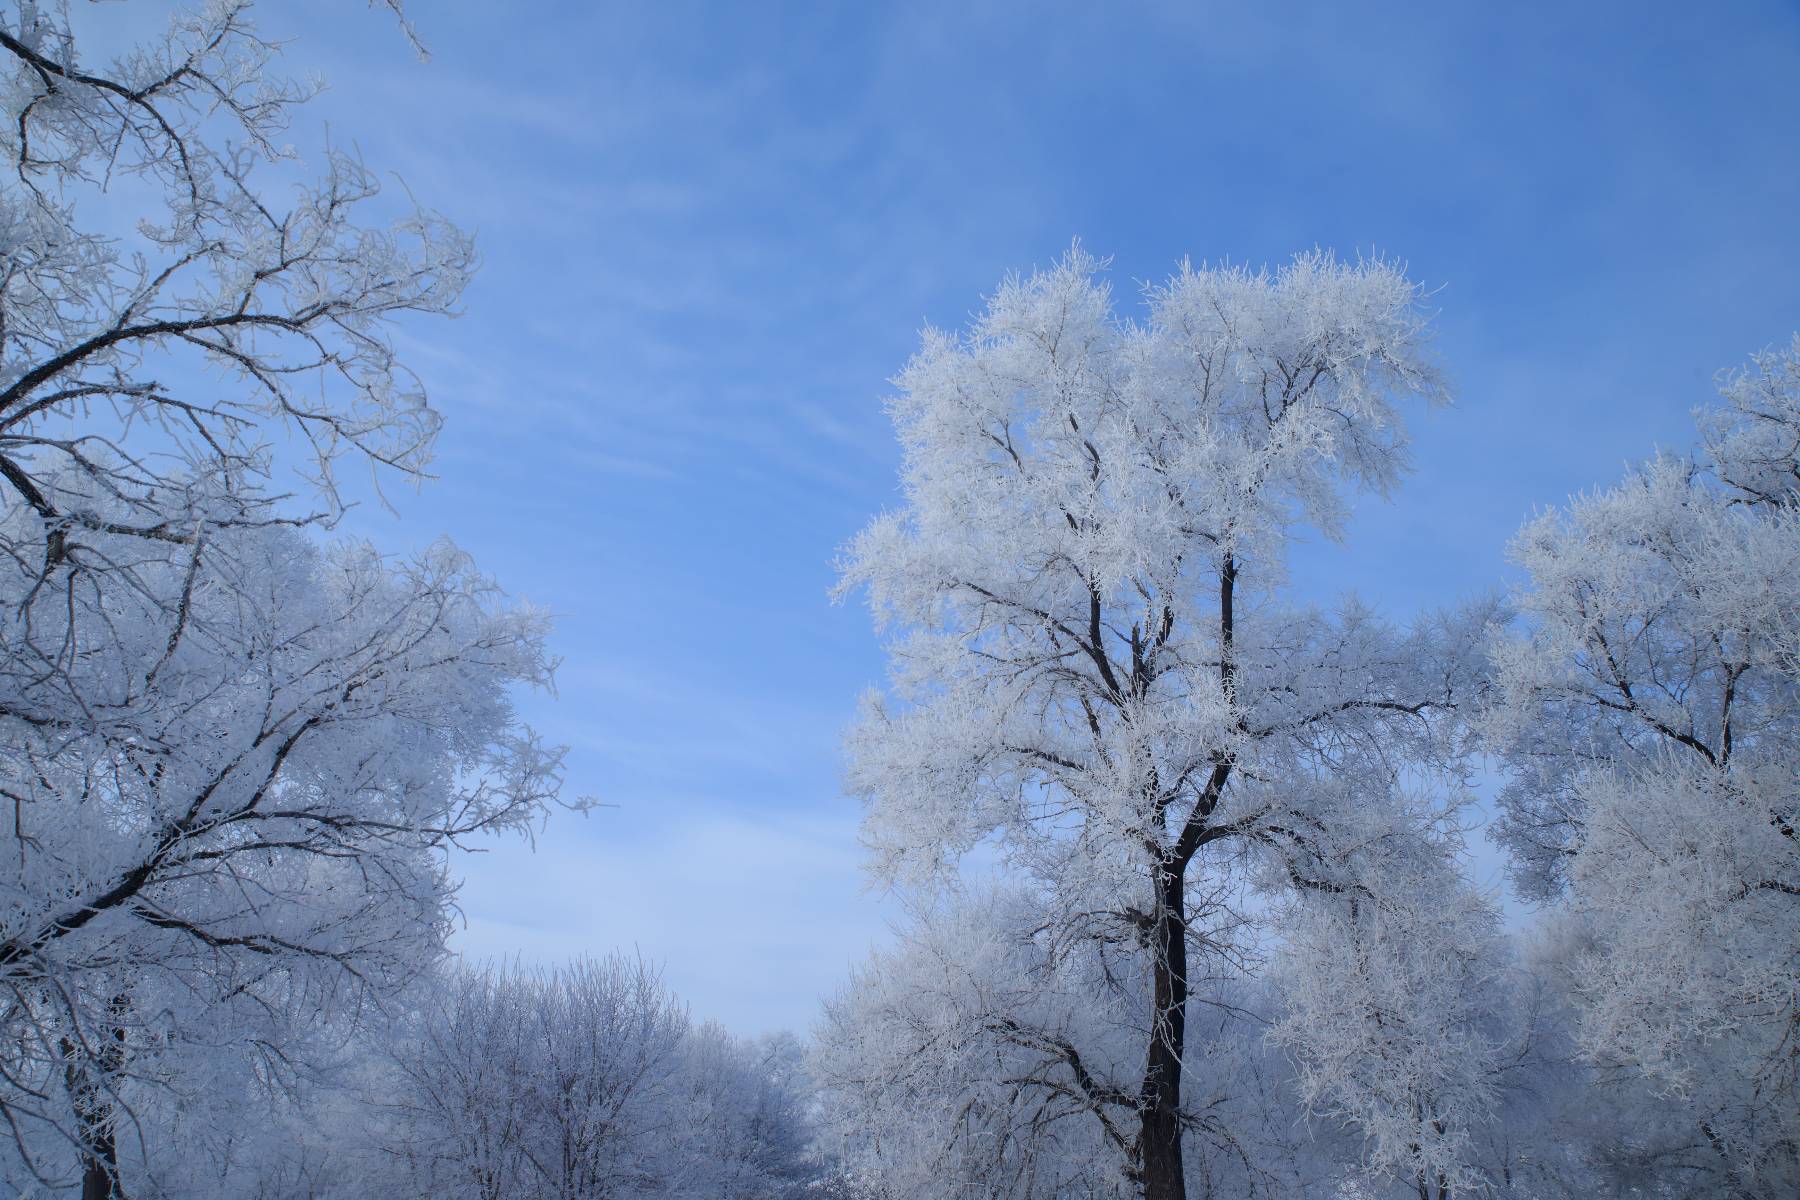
1650,711
1095,667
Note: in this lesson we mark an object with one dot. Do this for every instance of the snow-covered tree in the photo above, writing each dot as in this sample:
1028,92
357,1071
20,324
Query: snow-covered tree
1095,667
1572,1127
738,1126
585,1082
522,1083
233,760
230,788
316,1133
1651,715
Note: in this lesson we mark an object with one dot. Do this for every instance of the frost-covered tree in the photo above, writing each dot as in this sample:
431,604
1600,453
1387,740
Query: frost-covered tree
233,760
230,787
1572,1127
1651,715
739,1125
523,1083
1096,667
586,1082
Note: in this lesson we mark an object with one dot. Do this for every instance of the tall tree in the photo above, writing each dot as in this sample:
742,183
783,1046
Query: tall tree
233,760
1650,713
1096,667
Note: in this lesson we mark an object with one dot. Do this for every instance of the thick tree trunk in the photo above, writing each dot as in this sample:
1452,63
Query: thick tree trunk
94,1113
99,1147
1159,1135
99,1178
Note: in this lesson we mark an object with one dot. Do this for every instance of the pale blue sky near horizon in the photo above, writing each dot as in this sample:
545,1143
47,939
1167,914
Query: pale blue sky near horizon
710,233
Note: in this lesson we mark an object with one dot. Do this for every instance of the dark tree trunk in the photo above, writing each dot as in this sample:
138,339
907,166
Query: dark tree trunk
90,1084
1159,1134
100,1177
99,1146
1158,1146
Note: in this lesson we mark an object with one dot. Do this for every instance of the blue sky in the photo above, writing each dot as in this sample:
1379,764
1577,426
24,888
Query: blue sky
712,231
